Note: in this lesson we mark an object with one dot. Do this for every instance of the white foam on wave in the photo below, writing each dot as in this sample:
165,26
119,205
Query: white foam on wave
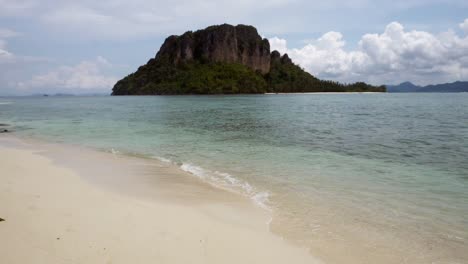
163,159
5,103
195,170
115,152
227,181
262,199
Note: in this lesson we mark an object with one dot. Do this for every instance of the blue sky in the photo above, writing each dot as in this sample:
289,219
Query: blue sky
68,46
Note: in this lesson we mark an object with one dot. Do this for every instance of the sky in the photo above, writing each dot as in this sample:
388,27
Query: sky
66,46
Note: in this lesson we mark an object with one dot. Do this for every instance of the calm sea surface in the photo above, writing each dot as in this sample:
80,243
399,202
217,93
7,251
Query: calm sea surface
374,167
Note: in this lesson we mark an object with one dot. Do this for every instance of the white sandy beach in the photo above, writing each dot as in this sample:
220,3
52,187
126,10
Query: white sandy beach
54,213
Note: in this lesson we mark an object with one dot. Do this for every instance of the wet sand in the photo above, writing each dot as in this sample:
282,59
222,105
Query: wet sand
66,204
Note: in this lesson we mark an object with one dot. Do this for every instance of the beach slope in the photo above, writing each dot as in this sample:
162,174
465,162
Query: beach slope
53,214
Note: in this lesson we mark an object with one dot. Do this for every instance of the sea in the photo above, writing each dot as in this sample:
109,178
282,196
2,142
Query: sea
353,174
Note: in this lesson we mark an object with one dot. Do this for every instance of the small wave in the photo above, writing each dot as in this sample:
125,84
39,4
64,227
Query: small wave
5,103
162,159
115,152
195,170
262,199
226,180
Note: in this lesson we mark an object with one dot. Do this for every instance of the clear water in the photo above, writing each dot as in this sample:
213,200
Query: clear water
377,167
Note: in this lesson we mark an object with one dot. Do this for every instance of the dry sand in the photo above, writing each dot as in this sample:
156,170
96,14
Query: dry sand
64,204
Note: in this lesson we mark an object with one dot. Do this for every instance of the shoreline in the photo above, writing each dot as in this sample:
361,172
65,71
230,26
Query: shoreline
64,203
330,93
145,95
158,182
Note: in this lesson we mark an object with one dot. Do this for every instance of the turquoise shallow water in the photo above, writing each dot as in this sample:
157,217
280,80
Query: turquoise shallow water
386,165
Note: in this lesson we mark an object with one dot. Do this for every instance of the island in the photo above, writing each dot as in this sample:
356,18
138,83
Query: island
225,59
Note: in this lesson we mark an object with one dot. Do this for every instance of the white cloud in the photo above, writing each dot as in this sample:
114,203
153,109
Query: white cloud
393,56
106,19
278,44
325,57
142,18
145,18
464,26
86,76
14,68
5,55
16,71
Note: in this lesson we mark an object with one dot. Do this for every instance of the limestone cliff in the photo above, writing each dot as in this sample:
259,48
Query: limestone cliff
223,43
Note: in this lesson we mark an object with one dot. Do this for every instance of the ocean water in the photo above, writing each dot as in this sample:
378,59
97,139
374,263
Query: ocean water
378,174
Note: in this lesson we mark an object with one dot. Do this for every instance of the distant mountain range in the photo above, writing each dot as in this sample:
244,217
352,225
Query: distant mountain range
407,87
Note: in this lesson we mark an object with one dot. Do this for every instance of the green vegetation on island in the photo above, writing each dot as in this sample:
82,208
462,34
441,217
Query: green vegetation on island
224,60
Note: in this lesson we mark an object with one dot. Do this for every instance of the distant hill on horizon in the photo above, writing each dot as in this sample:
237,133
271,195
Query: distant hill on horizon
408,87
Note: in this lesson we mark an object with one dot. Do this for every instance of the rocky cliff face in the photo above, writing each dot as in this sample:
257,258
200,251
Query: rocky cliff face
224,43
277,58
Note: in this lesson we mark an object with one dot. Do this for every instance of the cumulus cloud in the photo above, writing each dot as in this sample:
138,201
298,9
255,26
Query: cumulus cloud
5,55
86,76
464,26
394,56
16,71
278,44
